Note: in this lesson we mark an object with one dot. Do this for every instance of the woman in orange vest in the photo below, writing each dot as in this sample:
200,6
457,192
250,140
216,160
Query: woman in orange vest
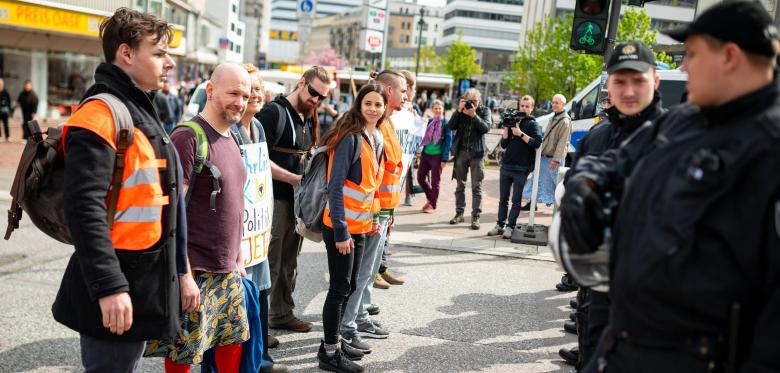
349,214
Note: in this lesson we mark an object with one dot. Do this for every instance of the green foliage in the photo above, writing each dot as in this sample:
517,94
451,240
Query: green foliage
429,61
545,65
460,60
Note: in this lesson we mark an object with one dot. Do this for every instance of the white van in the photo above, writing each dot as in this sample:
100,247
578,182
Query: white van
584,111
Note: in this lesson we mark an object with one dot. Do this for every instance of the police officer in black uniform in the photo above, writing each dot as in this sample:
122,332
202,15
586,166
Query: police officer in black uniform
695,260
632,83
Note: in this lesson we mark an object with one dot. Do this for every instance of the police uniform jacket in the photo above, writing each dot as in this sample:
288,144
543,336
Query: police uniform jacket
696,250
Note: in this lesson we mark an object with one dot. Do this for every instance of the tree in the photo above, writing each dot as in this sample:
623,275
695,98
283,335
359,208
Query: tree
429,61
460,60
545,65
327,57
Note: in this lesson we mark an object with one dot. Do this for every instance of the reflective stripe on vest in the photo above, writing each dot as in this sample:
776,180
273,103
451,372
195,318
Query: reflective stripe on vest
359,206
138,224
390,187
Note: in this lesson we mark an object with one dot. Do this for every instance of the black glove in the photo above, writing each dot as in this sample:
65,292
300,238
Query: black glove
582,216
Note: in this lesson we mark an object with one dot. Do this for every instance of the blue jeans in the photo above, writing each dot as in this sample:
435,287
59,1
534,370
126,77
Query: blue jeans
514,180
355,310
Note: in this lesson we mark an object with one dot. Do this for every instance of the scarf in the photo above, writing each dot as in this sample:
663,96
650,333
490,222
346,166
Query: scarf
433,132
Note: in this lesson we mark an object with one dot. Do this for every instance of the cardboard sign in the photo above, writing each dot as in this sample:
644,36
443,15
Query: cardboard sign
258,204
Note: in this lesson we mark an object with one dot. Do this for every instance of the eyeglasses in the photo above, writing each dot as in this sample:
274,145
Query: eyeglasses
313,92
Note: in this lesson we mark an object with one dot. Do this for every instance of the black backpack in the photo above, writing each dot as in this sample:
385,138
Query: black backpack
38,185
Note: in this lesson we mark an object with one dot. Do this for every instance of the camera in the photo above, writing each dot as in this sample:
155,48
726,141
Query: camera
512,118
468,105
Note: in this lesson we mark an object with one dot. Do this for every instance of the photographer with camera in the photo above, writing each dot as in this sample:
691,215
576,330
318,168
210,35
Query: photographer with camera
470,122
521,137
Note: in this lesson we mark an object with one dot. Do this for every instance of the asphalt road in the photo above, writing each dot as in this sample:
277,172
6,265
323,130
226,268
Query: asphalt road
458,312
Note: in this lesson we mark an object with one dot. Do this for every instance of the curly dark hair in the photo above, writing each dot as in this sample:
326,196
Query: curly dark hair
130,27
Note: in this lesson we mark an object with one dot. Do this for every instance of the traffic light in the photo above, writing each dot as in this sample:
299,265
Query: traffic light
588,33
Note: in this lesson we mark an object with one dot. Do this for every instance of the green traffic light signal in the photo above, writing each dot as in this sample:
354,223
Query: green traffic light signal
590,23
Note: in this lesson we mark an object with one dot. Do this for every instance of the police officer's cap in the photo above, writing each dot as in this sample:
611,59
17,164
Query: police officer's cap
633,55
743,22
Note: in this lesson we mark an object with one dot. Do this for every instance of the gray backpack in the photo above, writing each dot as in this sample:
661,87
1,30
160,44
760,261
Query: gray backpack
311,195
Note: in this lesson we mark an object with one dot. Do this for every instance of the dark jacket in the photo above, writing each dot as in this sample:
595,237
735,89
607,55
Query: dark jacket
474,129
519,155
697,233
96,269
5,103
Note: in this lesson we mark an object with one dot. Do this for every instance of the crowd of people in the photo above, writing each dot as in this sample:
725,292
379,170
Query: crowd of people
162,273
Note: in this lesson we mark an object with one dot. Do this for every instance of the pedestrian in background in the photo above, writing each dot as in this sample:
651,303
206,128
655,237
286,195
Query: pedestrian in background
520,139
28,103
556,142
434,153
350,215
5,110
470,122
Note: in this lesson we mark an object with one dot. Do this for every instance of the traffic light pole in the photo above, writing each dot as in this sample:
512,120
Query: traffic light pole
614,19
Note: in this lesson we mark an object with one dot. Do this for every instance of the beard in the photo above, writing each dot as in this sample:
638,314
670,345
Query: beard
229,116
304,106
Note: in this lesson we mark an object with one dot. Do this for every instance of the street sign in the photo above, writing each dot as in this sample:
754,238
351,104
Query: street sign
376,19
380,4
306,11
372,41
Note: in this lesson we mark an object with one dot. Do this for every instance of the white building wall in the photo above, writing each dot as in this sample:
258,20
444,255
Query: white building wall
484,33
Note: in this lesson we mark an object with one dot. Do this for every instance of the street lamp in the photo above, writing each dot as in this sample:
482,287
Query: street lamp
421,24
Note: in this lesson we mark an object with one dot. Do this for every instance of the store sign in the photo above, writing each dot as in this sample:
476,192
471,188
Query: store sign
376,19
40,17
372,41
283,35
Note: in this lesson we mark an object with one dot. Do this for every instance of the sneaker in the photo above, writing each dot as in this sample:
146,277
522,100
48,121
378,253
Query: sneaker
566,284
496,230
428,209
350,352
426,205
338,362
372,309
526,207
475,223
273,342
369,330
380,283
508,232
408,201
392,278
277,368
294,325
376,323
457,219
357,343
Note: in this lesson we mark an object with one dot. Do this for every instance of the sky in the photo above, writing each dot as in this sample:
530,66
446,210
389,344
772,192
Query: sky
440,3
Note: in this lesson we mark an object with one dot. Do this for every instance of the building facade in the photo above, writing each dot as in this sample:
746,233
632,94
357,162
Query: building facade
231,40
256,14
491,27
283,37
404,24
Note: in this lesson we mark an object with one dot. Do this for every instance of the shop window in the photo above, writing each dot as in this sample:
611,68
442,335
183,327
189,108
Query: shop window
69,76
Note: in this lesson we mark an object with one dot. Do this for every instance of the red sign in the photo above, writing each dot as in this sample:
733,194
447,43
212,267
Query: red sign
374,41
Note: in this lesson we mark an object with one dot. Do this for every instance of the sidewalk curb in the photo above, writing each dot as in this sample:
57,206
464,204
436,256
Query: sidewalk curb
489,252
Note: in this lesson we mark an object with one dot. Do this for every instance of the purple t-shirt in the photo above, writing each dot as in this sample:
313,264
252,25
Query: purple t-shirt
214,237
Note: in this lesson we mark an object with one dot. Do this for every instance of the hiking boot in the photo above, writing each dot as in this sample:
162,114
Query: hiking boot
380,283
294,325
357,343
457,219
369,330
475,223
350,352
391,278
508,232
338,362
496,230
372,309
273,342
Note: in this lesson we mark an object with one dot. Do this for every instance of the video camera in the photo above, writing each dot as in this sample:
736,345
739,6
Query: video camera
512,118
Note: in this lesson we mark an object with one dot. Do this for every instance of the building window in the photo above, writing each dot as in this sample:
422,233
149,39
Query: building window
238,49
238,32
232,26
235,10
436,28
230,46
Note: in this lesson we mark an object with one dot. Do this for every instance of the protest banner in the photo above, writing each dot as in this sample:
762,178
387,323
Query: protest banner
410,131
258,204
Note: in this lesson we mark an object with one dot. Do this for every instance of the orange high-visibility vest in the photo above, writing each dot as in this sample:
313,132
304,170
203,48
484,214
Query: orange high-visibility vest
138,217
359,206
390,187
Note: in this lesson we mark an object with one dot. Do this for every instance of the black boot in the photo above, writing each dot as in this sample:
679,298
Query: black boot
570,356
567,284
338,362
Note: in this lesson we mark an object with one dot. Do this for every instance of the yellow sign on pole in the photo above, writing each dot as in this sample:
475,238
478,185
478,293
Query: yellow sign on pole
46,18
